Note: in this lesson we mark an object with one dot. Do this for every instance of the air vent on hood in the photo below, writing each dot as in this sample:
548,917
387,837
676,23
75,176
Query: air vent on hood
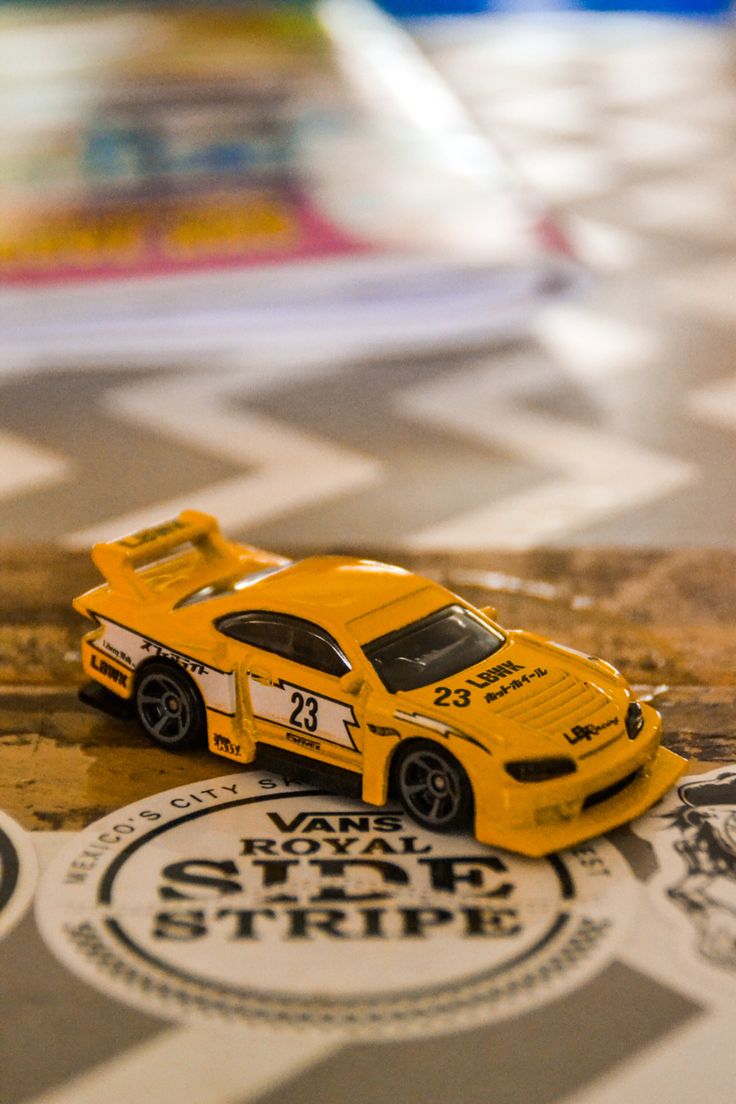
560,701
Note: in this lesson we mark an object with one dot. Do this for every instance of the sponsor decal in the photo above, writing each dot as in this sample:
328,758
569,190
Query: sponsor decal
693,833
107,670
254,899
302,741
192,665
588,731
122,657
516,684
148,536
18,870
225,744
494,674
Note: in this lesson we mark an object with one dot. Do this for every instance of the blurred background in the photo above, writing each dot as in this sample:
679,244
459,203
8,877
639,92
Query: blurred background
433,276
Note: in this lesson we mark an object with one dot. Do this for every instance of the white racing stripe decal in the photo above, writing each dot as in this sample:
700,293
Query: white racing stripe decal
296,707
428,722
131,648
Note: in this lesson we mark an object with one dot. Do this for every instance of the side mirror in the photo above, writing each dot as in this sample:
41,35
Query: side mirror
490,611
351,682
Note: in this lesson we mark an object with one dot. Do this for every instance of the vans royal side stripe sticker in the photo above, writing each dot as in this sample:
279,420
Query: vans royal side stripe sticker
253,899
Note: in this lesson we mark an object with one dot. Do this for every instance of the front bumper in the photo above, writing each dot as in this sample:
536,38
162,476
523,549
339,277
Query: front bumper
540,818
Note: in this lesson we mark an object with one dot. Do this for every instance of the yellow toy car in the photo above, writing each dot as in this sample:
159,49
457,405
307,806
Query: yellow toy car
372,679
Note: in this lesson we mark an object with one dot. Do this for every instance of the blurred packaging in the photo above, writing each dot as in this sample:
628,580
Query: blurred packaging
221,163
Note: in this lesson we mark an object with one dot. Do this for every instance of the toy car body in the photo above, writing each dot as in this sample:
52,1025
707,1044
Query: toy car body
383,679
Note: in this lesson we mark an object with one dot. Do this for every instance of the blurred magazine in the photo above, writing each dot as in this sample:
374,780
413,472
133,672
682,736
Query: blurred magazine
180,174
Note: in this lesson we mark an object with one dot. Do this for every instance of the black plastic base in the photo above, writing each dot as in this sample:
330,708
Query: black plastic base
103,699
335,779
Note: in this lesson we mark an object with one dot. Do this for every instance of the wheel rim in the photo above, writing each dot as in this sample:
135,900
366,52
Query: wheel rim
430,787
164,709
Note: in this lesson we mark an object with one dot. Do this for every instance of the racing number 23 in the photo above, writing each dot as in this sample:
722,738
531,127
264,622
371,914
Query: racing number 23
304,713
445,695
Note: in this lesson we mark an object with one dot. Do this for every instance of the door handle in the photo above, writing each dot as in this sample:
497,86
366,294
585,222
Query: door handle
261,675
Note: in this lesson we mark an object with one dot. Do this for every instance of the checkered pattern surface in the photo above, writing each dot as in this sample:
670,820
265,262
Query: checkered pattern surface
613,422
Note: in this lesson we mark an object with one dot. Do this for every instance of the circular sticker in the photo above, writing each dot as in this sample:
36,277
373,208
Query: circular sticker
253,898
17,873
693,833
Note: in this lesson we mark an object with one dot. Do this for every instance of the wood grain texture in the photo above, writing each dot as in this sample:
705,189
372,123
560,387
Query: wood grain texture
666,619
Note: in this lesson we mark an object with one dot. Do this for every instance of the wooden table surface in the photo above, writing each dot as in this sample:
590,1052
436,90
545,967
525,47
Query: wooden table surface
666,619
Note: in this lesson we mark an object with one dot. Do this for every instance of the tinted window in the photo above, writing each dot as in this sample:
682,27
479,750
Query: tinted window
290,637
274,636
432,649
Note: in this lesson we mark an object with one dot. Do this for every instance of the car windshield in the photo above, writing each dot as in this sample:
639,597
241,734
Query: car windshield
432,649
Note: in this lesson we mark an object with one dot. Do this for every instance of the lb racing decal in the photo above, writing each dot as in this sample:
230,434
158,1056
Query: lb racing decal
253,899
17,873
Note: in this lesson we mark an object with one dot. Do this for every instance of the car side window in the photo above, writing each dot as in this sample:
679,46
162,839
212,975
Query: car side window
290,637
263,632
315,648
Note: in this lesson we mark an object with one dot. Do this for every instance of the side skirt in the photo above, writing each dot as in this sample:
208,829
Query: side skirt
336,779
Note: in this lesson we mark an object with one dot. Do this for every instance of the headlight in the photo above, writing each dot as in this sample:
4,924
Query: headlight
539,770
634,720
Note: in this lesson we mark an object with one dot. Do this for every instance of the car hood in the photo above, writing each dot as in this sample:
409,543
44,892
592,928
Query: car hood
552,699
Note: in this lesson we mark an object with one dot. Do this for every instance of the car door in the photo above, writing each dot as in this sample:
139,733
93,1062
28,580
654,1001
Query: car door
292,671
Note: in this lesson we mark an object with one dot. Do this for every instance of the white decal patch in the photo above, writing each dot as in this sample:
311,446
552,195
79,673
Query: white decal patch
249,899
131,648
303,710
428,722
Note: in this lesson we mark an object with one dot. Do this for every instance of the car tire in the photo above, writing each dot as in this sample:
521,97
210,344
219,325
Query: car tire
169,707
433,787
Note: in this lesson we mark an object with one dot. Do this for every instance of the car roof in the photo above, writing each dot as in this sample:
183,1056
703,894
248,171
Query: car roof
338,589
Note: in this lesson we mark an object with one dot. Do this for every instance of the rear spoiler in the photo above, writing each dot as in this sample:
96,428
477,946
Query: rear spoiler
118,560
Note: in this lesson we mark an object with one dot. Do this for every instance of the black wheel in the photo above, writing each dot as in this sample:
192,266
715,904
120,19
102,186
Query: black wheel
169,706
433,788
